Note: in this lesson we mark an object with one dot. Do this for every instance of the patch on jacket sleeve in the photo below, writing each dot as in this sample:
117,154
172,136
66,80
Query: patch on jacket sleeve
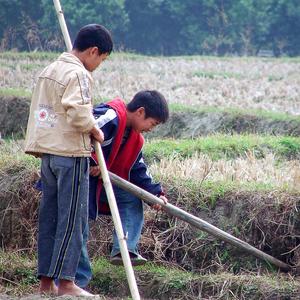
141,161
85,89
106,143
45,116
106,118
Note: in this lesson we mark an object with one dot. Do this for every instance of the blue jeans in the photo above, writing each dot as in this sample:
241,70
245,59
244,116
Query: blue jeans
132,217
84,271
62,215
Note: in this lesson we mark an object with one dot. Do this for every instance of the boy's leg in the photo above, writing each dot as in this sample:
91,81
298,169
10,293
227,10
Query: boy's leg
84,271
47,223
47,286
132,218
72,193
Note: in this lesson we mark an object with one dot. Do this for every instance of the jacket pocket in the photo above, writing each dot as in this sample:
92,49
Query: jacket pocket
86,141
73,142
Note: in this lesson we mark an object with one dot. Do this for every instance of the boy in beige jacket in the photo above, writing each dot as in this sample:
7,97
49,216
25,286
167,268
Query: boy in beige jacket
59,131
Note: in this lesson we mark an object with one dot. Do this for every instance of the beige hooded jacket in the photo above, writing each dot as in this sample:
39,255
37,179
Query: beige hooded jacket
61,110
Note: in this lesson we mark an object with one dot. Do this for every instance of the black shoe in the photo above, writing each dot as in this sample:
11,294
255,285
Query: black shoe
136,260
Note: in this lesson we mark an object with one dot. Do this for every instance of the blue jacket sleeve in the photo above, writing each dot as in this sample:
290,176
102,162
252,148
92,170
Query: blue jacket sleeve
108,122
140,176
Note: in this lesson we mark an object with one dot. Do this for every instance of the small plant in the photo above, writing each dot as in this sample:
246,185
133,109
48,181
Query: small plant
215,75
16,92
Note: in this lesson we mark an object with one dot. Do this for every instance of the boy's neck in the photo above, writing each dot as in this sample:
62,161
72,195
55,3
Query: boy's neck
78,54
128,119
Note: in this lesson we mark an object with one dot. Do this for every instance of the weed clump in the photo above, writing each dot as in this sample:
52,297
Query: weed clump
18,199
14,115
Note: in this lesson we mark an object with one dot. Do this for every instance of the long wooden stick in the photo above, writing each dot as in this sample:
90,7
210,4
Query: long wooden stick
117,222
106,182
63,25
196,222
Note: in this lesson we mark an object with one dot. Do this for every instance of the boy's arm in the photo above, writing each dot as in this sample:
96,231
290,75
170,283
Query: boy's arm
78,104
107,121
140,176
97,134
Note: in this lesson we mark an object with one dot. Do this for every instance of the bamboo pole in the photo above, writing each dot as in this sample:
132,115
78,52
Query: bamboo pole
63,25
196,222
117,222
106,182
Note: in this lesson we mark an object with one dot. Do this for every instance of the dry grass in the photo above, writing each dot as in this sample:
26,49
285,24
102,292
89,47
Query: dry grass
17,273
268,221
170,283
267,171
234,82
246,83
18,281
18,197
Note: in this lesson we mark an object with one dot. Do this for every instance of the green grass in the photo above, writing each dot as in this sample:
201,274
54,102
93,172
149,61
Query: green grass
16,56
275,78
169,282
17,273
15,92
265,114
27,65
13,157
131,55
31,66
174,107
214,75
17,278
205,195
19,161
49,56
222,146
8,64
215,147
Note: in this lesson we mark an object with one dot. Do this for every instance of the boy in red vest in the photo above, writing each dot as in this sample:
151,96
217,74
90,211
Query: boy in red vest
122,126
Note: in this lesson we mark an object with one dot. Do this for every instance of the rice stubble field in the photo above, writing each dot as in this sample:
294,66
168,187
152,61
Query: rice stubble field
247,182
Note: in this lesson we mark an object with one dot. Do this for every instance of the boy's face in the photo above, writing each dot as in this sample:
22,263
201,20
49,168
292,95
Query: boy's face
142,124
94,59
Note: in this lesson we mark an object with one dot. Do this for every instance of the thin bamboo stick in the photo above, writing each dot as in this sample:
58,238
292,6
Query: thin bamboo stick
117,222
196,222
63,25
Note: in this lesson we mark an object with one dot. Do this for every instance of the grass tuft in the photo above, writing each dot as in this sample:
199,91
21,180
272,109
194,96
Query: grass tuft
15,92
222,146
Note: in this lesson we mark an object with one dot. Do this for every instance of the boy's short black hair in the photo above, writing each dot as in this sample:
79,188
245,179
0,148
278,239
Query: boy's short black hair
154,103
94,35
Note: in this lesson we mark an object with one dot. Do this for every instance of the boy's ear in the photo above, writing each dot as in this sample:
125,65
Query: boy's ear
94,50
140,111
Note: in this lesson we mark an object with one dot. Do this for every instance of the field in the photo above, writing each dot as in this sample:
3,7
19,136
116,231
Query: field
230,154
235,83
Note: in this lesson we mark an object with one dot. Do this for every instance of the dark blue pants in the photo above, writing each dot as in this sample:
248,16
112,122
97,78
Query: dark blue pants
63,215
132,217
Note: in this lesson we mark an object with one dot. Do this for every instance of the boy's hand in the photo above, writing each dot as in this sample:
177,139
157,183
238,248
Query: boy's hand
158,207
95,171
97,134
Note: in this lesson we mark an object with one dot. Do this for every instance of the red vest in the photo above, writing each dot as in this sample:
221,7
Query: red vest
121,159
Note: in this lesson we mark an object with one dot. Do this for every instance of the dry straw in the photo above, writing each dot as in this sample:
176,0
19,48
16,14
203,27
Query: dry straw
267,171
267,220
243,83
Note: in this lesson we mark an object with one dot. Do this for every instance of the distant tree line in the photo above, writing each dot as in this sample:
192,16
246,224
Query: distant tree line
163,27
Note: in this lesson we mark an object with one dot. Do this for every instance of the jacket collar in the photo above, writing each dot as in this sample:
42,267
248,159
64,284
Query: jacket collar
70,58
